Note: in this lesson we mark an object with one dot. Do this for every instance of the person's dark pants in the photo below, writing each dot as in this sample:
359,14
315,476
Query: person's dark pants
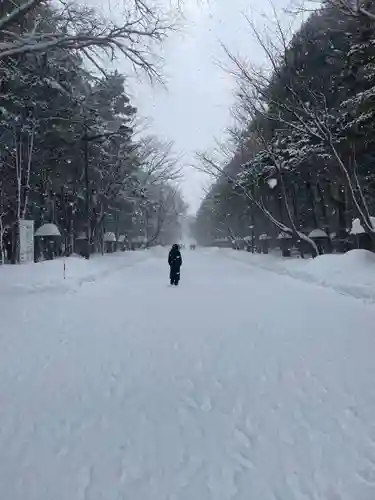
174,275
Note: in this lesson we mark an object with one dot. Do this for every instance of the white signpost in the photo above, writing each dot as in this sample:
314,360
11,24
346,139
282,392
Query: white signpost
26,235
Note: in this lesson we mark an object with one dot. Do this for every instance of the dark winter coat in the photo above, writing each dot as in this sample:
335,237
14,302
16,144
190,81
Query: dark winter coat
174,258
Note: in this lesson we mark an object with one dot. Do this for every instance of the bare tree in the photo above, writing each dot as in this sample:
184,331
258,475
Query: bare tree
21,163
164,210
311,119
212,168
159,172
17,13
80,28
158,160
159,212
355,8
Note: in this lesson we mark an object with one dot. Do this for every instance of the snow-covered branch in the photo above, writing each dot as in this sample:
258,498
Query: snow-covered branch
18,13
158,161
290,111
210,167
355,8
81,29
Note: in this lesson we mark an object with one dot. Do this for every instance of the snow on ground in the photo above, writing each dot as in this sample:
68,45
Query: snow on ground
240,384
50,275
352,273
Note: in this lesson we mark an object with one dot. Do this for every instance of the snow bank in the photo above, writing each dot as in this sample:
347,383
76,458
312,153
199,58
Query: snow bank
344,267
357,227
49,275
352,273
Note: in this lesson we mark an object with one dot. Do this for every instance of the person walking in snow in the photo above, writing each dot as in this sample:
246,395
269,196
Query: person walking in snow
175,263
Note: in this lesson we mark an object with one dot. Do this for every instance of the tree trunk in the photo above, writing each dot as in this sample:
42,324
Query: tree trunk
311,197
323,210
28,172
341,209
2,255
87,193
296,216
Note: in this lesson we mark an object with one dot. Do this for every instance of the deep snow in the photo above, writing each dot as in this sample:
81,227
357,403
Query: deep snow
357,227
63,274
352,273
240,384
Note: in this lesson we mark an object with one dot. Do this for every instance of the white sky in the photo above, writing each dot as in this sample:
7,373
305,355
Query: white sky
195,107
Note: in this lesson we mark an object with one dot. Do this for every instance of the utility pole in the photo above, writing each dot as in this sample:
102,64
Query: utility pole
87,192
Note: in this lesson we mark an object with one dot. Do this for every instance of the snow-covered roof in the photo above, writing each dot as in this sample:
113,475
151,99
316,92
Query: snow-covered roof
264,236
284,236
109,237
121,238
318,233
357,227
48,230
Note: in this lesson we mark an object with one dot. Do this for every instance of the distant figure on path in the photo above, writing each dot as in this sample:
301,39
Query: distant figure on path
175,262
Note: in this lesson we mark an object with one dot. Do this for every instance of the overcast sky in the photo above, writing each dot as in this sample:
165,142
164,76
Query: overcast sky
195,107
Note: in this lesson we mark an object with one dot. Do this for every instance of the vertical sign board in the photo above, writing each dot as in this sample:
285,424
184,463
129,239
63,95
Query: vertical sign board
26,235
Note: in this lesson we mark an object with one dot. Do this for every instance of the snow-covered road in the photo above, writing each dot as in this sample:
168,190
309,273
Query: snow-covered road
240,384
